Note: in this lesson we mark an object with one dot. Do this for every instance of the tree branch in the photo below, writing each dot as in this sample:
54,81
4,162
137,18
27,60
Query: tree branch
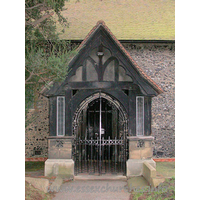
30,76
36,22
44,80
30,8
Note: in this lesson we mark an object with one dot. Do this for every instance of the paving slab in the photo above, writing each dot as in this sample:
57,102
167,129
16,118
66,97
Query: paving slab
93,189
39,183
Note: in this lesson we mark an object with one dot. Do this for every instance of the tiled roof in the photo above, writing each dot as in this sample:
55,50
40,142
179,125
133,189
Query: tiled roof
128,19
141,72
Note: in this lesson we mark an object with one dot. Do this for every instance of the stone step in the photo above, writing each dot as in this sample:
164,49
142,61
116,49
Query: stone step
103,177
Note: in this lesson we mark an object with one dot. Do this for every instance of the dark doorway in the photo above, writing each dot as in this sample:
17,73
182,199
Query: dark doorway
100,139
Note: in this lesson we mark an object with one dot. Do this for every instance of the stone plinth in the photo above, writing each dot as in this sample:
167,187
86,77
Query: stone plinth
140,150
134,167
55,167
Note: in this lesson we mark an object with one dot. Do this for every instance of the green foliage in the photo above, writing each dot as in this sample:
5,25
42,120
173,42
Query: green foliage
48,63
39,21
45,63
46,57
34,166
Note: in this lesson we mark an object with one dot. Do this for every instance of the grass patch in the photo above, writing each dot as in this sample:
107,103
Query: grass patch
33,193
34,166
165,191
167,169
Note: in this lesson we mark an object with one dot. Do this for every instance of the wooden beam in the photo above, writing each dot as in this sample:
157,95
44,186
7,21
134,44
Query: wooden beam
103,85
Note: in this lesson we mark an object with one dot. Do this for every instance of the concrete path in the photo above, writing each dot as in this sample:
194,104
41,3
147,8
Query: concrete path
93,189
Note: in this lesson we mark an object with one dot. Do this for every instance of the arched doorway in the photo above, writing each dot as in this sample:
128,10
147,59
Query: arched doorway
100,130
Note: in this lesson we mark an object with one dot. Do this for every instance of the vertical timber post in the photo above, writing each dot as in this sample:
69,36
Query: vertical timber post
100,135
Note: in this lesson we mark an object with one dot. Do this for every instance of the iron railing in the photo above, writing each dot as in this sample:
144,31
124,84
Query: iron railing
99,156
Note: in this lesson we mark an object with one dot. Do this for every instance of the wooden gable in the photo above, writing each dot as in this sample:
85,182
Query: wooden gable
103,62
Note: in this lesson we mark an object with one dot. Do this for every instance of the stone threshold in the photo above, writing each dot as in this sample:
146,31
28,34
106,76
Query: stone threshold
102,177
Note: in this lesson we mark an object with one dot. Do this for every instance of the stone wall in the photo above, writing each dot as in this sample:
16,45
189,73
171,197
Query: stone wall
158,62
37,131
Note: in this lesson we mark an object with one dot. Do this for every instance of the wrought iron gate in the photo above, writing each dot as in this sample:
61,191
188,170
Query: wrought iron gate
100,145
